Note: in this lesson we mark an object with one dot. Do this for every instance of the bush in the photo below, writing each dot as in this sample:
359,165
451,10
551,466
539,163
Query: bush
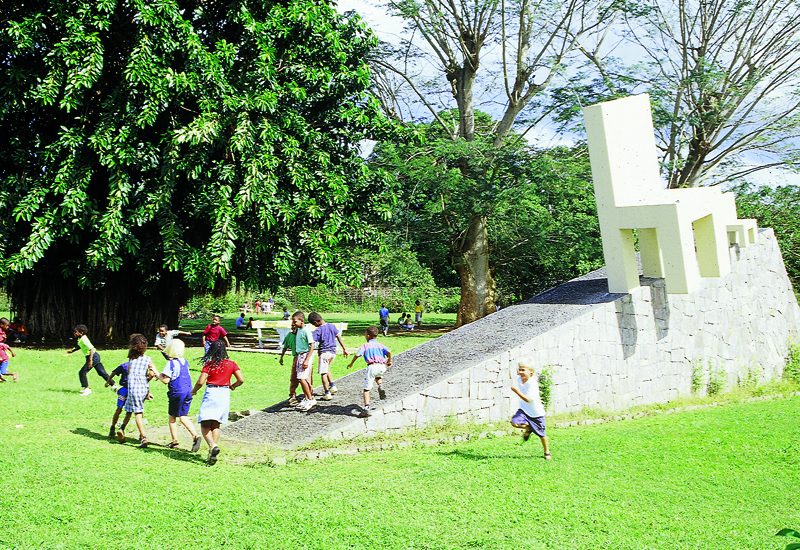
791,372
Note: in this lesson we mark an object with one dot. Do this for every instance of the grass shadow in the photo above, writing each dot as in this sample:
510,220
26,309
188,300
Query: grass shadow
477,456
174,454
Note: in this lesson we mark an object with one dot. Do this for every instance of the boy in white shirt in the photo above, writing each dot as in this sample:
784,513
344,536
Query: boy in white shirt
531,413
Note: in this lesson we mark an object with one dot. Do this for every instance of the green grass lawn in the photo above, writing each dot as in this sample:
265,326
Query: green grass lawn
722,477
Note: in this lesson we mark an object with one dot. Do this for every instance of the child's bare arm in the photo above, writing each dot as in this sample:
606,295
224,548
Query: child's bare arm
239,379
522,396
353,361
110,379
200,383
344,349
283,352
227,342
388,358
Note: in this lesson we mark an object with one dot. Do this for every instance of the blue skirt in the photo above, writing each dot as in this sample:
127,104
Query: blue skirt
216,404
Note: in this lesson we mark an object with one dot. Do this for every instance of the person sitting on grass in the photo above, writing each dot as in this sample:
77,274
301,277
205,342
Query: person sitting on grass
179,393
140,370
378,358
240,322
531,413
122,395
406,323
216,403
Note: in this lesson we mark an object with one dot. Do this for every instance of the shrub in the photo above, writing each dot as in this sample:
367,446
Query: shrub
716,379
697,375
546,386
791,372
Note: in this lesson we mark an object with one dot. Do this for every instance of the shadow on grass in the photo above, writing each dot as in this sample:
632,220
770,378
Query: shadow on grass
476,456
351,410
174,454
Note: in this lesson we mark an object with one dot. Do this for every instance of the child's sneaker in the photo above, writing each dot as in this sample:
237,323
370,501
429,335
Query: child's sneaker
120,436
333,388
308,404
196,444
86,391
300,403
212,456
327,396
292,401
365,413
112,432
381,392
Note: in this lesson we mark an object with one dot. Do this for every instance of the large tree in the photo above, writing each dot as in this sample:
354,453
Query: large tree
527,43
149,149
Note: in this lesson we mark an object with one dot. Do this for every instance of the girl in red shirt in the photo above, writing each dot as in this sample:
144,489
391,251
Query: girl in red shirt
216,376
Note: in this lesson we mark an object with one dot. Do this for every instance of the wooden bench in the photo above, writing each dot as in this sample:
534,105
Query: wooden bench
283,328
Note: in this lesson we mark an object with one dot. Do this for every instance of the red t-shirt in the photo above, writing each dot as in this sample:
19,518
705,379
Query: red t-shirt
220,375
214,333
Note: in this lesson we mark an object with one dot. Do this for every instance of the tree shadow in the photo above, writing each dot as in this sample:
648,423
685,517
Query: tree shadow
173,454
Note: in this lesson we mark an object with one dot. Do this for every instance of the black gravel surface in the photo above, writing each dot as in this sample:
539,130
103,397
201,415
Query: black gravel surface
427,364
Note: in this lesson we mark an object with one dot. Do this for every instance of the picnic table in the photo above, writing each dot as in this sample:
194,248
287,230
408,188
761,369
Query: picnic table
283,328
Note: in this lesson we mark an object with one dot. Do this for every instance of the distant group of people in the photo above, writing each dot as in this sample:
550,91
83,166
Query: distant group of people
403,322
259,306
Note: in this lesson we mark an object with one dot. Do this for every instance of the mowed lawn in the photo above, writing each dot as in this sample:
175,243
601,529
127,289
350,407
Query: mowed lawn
722,477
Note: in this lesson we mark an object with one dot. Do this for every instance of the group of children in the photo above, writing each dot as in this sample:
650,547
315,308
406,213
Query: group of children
135,374
5,349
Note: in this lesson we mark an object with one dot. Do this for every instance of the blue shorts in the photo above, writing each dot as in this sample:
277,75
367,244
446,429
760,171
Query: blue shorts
179,405
4,367
536,424
122,395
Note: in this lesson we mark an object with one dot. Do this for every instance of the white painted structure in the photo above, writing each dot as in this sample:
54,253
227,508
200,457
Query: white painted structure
683,234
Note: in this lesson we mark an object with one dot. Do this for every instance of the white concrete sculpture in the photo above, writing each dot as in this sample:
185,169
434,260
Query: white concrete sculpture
684,234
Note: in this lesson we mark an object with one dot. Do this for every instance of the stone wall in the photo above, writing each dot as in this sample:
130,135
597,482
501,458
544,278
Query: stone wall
636,349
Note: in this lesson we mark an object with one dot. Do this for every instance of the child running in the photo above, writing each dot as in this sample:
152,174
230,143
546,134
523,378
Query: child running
326,336
216,404
378,358
92,359
531,413
214,332
122,395
5,349
176,376
164,338
140,370
301,342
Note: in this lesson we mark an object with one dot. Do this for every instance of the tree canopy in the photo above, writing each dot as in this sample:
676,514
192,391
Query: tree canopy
155,147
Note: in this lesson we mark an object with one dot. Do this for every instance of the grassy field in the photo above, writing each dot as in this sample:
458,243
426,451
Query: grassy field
722,477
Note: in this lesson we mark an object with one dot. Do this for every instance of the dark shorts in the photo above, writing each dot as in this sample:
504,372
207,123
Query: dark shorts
122,395
179,405
537,424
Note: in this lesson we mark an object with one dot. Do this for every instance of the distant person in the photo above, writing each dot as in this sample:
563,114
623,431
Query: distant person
383,314
301,342
140,370
286,314
240,322
378,358
270,304
531,413
216,376
405,322
122,395
250,323
5,349
246,307
18,331
257,306
326,335
214,332
418,314
179,394
164,338
92,359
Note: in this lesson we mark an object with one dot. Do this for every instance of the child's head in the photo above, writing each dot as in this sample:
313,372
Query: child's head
80,330
525,369
137,346
298,319
175,349
284,308
3,323
315,318
216,354
216,319
241,315
371,333
417,302
162,330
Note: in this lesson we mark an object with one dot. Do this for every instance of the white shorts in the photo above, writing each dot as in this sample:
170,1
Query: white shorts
304,374
325,360
373,371
418,317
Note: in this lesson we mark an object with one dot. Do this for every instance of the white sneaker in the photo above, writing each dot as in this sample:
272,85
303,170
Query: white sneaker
301,403
86,391
308,404
333,388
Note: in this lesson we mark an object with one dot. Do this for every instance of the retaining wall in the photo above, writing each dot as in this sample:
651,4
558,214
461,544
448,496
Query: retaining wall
631,349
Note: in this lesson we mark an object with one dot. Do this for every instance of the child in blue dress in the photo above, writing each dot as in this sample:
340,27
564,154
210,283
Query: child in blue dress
176,376
122,395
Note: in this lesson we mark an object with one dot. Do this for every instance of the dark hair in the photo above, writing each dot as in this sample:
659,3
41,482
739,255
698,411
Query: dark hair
314,317
372,331
299,315
242,315
163,326
216,353
137,346
83,329
4,320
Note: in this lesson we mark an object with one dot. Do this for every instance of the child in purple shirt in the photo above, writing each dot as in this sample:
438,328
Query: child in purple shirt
378,358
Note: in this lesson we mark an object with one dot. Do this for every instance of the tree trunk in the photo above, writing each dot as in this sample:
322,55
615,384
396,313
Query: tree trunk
51,306
477,280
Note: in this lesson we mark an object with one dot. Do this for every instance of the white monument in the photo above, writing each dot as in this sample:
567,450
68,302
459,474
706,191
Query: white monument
684,234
